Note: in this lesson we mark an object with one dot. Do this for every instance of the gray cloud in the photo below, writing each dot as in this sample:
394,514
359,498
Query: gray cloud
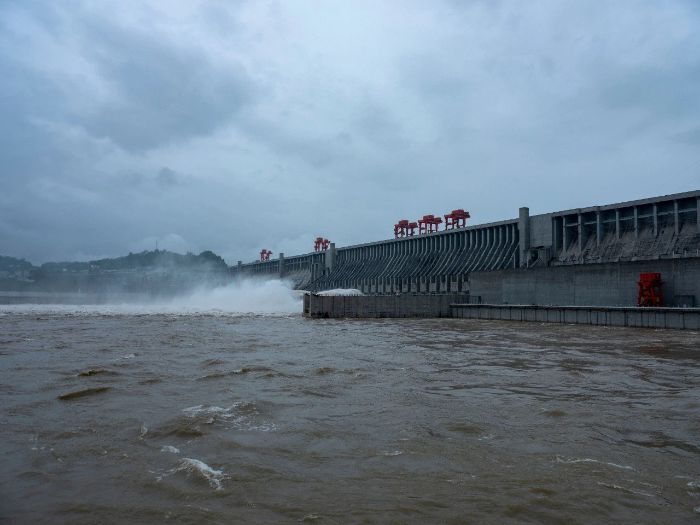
691,136
163,93
231,127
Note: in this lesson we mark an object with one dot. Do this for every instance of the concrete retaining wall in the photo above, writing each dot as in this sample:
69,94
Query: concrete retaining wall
611,284
456,306
377,306
676,318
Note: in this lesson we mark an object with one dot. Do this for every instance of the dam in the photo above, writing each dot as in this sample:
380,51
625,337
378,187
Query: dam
589,256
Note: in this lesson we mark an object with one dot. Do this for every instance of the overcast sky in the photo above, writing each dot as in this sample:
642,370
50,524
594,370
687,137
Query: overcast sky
233,126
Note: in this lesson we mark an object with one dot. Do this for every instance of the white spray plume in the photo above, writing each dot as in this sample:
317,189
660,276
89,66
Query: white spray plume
341,291
248,296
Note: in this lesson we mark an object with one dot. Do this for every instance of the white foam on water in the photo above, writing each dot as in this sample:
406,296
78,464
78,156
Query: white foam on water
626,489
244,297
195,466
341,291
171,449
208,409
232,416
571,461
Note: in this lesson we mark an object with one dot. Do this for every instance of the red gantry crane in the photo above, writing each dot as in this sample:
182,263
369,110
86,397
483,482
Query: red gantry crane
265,255
456,219
404,228
321,244
429,224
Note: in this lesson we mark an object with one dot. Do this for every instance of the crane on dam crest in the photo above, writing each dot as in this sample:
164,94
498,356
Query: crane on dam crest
431,224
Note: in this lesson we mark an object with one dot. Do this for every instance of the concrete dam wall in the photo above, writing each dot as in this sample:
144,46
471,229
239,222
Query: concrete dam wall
604,284
587,256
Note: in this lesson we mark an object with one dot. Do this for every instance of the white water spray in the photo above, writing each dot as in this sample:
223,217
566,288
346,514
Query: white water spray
245,297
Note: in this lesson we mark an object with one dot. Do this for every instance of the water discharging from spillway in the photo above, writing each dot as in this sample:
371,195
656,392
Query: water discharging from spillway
242,297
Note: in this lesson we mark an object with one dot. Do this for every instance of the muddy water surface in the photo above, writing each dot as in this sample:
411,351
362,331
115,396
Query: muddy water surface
121,417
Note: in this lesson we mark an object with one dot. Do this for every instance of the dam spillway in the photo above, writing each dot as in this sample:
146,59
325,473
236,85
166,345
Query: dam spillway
585,256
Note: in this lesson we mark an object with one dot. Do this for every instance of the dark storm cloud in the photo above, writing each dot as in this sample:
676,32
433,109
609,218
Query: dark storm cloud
237,126
57,199
159,90
25,98
163,92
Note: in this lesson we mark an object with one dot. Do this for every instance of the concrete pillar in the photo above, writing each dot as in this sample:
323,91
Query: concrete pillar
239,270
564,236
655,213
524,233
697,215
618,233
598,228
636,222
281,265
580,233
676,222
330,257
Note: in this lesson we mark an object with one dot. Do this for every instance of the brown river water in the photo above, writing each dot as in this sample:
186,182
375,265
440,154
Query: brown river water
128,416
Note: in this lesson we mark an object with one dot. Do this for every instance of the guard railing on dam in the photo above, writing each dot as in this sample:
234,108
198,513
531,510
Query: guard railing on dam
675,318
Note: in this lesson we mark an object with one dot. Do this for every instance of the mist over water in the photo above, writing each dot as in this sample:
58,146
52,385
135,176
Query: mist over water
247,296
242,297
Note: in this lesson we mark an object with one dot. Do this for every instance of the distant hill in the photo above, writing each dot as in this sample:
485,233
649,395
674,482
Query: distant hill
156,271
12,264
206,260
15,274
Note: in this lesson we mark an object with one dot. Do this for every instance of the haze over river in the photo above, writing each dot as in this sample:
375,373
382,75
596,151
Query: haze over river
149,415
